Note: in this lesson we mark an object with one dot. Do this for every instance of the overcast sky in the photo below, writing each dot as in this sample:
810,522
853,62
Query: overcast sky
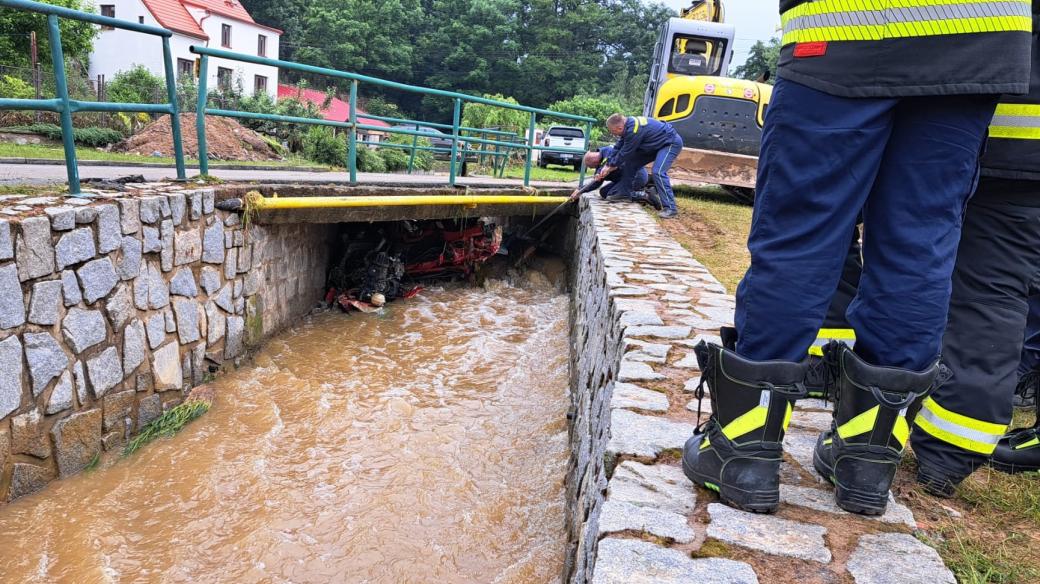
756,20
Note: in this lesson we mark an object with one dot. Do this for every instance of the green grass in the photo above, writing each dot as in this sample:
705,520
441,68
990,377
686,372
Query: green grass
10,150
553,173
168,424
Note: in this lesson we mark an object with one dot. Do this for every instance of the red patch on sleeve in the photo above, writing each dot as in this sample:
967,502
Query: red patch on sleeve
816,49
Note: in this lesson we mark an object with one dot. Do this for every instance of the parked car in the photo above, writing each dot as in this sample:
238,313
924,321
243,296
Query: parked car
563,137
439,139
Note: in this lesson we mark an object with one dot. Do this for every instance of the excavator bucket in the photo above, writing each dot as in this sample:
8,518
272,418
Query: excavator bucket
695,167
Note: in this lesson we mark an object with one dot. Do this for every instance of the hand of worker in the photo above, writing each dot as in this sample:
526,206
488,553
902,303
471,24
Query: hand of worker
575,194
604,172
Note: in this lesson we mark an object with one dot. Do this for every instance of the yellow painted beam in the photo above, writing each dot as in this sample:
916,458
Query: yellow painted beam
260,203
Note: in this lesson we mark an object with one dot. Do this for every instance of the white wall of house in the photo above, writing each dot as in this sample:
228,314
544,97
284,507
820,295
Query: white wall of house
119,50
244,39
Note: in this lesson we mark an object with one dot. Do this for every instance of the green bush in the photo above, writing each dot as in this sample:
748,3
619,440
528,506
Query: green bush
93,137
136,85
397,158
368,160
321,146
15,88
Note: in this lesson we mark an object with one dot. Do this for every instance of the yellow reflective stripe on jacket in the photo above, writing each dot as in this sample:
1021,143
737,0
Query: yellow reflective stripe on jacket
1016,121
826,335
959,430
875,20
637,121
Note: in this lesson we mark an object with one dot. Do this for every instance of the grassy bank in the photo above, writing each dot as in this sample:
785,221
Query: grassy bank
553,173
11,150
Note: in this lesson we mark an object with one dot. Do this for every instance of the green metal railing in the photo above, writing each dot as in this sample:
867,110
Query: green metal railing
353,125
65,107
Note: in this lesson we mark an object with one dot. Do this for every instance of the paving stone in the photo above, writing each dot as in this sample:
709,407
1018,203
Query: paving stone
166,235
207,202
688,362
6,241
152,241
815,404
63,218
672,288
692,383
83,329
156,293
641,277
178,207
722,314
187,247
679,298
171,322
12,302
129,265
74,247
633,561
216,323
628,395
156,330
97,278
768,534
35,252
195,205
43,306
110,232
800,444
77,440
235,337
166,367
646,436
618,516
232,220
28,478
635,371
661,332
187,320
10,375
45,358
105,370
638,318
151,209
61,396
129,216
213,244
823,500
229,264
658,486
252,283
134,339
646,352
70,291
210,280
896,558
245,258
628,291
819,421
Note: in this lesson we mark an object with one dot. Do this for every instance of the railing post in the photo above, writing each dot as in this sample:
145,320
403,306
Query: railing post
200,115
530,152
67,134
352,137
588,145
175,110
411,157
454,141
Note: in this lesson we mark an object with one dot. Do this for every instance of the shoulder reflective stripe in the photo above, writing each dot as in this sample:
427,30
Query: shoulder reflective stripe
901,430
860,424
959,430
635,125
861,20
642,120
1027,444
752,420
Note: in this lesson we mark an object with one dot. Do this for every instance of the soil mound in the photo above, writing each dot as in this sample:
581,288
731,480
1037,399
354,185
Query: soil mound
226,139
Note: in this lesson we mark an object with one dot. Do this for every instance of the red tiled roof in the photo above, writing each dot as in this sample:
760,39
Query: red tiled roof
173,15
338,110
229,8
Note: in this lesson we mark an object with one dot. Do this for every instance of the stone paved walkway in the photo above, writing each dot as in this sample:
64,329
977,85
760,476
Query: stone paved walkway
655,526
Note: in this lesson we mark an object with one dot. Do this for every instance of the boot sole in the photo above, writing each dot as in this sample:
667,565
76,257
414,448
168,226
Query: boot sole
1013,468
858,502
751,501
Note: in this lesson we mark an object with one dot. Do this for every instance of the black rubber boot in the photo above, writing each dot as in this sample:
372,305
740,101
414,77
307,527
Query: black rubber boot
738,451
861,451
1019,451
1025,391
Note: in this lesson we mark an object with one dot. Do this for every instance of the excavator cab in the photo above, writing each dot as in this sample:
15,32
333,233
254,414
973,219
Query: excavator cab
689,87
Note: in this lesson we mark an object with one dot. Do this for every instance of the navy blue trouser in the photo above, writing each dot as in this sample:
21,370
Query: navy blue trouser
910,165
636,183
662,160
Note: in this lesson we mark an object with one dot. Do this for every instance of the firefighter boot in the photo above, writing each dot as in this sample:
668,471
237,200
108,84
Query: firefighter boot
1025,391
868,434
737,451
1019,451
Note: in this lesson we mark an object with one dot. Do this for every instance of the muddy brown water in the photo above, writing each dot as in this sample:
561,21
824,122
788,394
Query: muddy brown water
426,444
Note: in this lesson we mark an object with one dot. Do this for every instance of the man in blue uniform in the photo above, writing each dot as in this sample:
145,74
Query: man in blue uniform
610,185
642,141
879,112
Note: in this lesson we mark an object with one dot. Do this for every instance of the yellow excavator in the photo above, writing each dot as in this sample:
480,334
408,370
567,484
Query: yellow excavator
719,118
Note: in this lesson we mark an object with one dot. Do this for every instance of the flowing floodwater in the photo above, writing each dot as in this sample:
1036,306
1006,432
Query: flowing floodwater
426,444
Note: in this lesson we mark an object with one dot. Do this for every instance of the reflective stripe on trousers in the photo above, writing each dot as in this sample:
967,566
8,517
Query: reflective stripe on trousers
1017,121
959,430
827,335
875,20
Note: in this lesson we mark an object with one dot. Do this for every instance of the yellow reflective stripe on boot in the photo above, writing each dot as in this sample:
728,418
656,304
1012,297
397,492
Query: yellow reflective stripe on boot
957,429
752,420
826,335
901,430
860,424
1019,121
875,20
787,416
1027,444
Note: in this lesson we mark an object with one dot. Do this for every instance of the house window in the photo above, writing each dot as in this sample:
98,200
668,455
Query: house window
259,84
261,45
140,20
225,35
108,10
185,68
224,78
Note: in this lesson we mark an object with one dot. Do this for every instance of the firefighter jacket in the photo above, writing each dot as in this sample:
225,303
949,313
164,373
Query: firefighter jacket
643,136
900,48
1013,150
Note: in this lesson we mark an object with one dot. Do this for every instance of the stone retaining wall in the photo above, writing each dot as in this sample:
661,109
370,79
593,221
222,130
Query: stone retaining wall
112,307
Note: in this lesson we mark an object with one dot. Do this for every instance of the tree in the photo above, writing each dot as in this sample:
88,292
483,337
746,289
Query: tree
761,59
594,107
479,115
77,37
137,85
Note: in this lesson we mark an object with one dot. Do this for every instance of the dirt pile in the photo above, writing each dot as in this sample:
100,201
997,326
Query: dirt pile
226,139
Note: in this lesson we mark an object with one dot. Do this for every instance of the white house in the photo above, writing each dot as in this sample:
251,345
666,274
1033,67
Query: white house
221,24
